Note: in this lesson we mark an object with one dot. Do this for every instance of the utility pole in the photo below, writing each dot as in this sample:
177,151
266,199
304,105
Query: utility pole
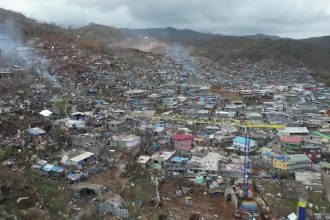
246,163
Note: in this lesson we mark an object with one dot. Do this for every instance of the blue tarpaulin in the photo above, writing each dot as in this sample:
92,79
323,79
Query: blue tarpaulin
35,131
54,168
75,176
281,157
179,159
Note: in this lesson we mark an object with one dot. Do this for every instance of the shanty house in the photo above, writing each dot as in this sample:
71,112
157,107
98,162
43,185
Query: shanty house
143,161
294,131
53,170
312,148
76,124
82,159
36,135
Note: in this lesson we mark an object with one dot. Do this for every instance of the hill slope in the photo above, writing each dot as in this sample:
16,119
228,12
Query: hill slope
23,27
313,52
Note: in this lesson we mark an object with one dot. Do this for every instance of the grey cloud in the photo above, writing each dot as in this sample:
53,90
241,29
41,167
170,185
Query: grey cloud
294,18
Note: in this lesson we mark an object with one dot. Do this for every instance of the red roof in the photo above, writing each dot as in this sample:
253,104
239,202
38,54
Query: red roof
182,137
292,139
312,88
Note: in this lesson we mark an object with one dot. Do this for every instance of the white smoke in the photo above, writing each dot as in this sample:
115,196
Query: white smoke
14,52
181,56
42,68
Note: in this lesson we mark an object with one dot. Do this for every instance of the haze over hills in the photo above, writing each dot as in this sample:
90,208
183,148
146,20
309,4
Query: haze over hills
312,52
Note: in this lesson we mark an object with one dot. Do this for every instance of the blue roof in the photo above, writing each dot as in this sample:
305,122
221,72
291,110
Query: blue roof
267,154
57,169
281,157
241,140
74,176
54,168
35,131
159,125
47,167
100,101
179,159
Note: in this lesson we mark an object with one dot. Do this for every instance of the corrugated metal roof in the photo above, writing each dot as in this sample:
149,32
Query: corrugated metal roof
82,156
35,131
292,139
298,157
295,130
182,137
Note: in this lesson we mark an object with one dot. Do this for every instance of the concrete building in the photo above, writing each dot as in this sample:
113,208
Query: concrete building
294,131
291,163
276,117
225,114
239,143
160,158
177,165
205,168
83,140
136,93
115,126
183,142
82,159
126,142
291,144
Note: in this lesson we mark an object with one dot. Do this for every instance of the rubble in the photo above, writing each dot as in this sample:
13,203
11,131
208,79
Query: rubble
89,120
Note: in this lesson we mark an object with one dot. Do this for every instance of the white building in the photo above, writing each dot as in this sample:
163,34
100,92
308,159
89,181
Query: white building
135,93
239,143
225,114
128,142
203,167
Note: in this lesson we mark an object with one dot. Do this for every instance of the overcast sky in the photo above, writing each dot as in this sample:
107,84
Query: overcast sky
286,18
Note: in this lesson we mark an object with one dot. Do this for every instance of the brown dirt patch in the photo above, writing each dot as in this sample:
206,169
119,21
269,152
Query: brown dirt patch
205,205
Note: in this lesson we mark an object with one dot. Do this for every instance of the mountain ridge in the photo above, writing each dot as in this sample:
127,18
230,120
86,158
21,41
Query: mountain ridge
313,53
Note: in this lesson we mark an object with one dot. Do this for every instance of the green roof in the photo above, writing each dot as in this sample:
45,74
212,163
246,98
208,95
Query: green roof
325,165
321,134
298,157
